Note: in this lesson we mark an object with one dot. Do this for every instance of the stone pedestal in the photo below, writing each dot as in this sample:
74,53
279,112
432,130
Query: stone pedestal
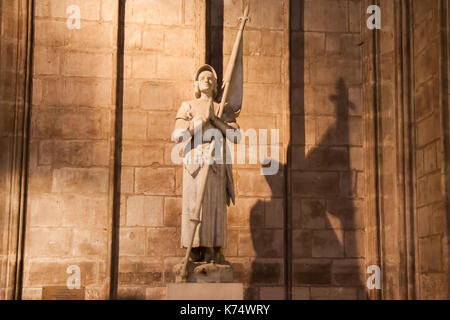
201,272
205,291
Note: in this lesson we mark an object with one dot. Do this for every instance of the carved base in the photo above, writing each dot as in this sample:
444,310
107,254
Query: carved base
202,272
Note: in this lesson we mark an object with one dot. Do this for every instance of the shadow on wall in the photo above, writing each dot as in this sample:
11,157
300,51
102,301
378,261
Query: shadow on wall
324,256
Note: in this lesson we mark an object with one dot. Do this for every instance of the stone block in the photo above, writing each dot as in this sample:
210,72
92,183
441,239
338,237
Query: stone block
44,210
172,44
127,181
302,244
426,65
153,38
172,212
272,293
134,125
145,211
344,45
143,66
348,272
133,36
309,214
76,124
266,272
354,12
158,97
157,293
430,158
434,286
325,15
131,293
274,213
328,158
251,183
72,92
205,291
155,181
73,153
261,243
80,180
425,96
232,247
189,12
312,272
83,211
50,242
47,61
356,158
132,241
92,35
264,69
137,154
350,213
164,242
90,242
265,15
430,250
301,293
108,9
160,126
51,33
354,243
316,184
328,243
140,272
439,218
338,293
175,68
329,70
88,64
262,98
271,43
31,294
249,213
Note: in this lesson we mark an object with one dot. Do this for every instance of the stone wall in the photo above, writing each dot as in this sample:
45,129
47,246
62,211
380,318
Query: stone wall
328,238
71,147
432,210
363,145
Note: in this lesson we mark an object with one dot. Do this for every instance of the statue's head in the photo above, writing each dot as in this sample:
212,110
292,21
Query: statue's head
206,82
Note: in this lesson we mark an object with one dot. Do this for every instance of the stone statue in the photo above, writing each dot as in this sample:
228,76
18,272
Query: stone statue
198,117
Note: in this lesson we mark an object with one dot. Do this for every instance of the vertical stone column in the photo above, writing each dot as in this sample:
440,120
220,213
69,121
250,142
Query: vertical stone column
71,146
430,108
15,42
405,98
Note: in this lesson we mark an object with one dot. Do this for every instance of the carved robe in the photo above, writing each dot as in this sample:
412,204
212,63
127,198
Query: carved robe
219,191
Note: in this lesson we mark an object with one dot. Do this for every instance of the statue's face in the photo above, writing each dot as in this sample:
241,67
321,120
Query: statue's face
206,82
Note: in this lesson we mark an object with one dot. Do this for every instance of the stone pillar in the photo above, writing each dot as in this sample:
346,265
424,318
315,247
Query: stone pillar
15,46
70,184
405,101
